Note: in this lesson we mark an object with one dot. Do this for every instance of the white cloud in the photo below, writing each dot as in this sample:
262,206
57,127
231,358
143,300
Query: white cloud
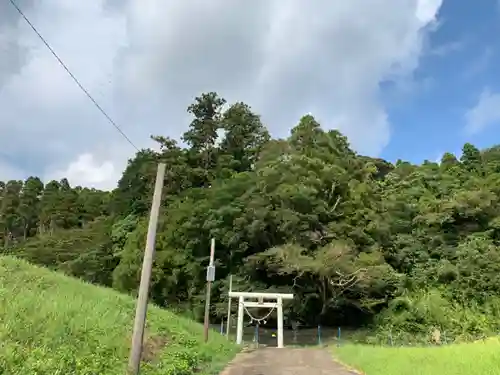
146,61
427,10
485,113
86,171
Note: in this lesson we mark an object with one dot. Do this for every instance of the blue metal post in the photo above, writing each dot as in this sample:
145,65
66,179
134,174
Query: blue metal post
256,334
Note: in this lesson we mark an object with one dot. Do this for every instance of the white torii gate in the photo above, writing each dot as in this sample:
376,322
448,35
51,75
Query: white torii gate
261,297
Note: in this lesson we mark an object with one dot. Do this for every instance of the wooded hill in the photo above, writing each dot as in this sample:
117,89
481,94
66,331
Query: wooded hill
360,241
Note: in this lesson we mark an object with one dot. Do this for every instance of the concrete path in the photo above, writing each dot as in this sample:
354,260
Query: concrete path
286,361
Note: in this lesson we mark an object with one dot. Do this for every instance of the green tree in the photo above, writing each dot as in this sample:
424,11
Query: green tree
244,137
29,204
10,220
471,157
449,161
49,205
203,135
135,187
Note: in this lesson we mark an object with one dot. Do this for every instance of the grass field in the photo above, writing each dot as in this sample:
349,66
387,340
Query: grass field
480,358
51,324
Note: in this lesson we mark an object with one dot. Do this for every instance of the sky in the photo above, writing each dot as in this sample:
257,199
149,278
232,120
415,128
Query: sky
403,79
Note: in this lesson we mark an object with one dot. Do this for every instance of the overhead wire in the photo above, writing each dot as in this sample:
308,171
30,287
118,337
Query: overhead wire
96,104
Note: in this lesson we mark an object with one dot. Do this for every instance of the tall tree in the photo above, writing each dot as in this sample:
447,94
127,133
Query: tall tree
471,157
134,189
30,204
244,137
206,110
49,205
203,135
92,203
68,206
10,220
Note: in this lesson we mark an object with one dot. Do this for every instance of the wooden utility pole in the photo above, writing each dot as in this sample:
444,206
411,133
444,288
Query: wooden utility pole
147,265
210,278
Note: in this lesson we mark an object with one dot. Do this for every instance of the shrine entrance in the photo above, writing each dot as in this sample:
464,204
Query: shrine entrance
273,301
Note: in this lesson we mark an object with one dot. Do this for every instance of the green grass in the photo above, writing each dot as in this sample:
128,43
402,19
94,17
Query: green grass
51,324
480,358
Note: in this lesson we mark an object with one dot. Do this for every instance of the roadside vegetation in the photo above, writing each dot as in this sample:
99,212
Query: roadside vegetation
479,358
51,324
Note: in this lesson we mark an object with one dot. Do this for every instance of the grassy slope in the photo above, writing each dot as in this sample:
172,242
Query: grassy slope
481,358
51,324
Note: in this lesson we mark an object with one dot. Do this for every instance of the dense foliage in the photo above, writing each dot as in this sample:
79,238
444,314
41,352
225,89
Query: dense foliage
53,324
358,240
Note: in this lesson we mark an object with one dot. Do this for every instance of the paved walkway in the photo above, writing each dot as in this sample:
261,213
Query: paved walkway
286,361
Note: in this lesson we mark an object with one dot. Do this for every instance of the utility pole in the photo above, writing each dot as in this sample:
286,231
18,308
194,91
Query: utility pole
228,320
210,278
147,264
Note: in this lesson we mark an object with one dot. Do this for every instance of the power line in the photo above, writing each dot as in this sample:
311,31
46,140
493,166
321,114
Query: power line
73,76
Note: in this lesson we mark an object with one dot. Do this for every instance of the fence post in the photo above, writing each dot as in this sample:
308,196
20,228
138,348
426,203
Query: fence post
256,334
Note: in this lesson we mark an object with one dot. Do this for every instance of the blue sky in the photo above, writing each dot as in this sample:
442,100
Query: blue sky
460,60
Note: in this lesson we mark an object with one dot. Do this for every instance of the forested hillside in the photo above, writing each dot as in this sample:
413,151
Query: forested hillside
359,241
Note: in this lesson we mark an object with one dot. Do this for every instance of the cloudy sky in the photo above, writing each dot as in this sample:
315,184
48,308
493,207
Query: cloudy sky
403,79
